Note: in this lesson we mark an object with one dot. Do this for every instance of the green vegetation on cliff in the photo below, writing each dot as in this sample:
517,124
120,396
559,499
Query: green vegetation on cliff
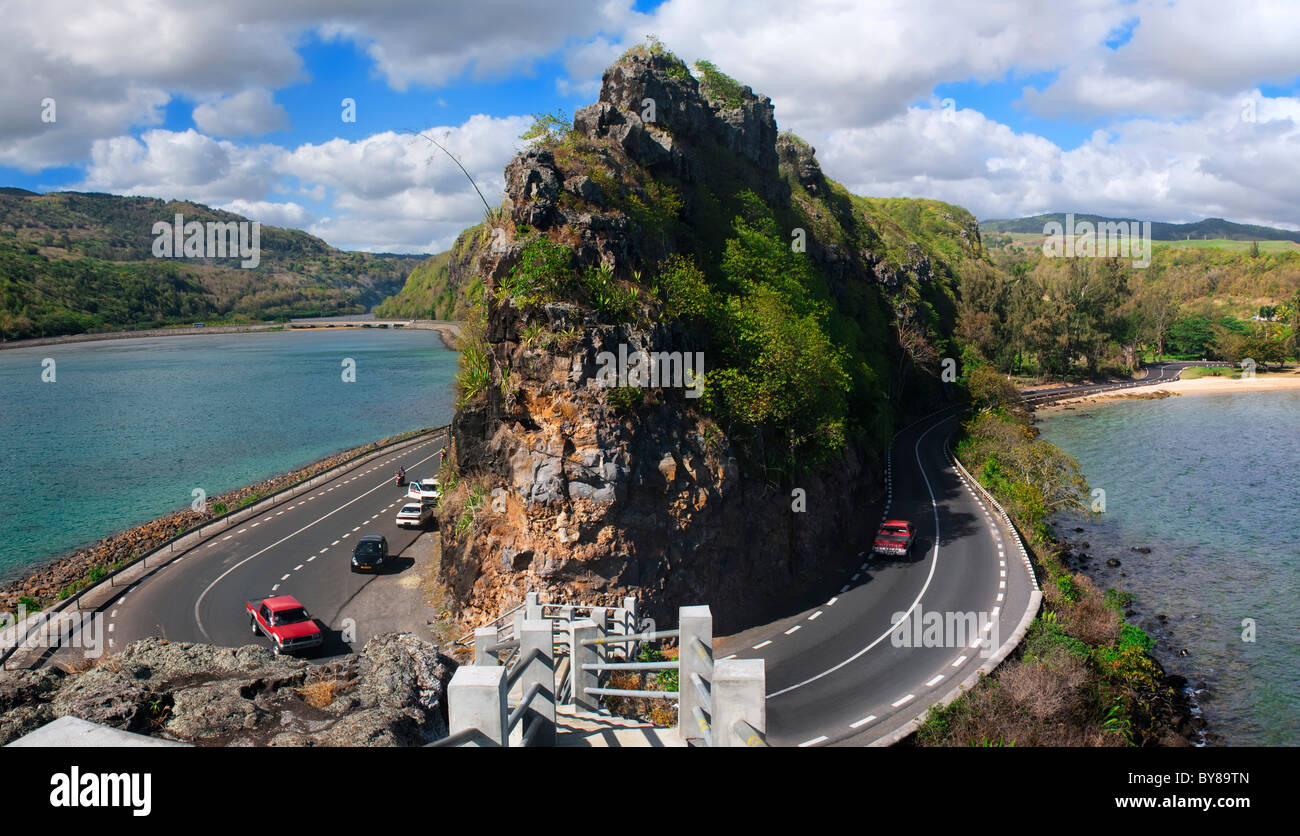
435,289
816,307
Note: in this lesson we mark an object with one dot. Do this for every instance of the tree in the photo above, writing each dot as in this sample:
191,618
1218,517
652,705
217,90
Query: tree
989,389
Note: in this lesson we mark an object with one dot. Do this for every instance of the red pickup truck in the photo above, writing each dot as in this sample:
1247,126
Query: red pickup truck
894,538
287,622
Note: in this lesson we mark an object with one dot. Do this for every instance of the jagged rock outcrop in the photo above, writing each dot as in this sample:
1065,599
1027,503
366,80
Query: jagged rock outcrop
585,499
391,694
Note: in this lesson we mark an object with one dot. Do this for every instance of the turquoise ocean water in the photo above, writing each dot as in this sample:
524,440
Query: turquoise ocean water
129,428
1208,482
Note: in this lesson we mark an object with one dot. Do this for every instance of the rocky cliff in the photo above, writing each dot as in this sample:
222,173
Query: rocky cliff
674,221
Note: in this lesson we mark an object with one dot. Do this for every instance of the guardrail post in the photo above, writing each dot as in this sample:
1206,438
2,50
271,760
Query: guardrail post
537,651
579,632
517,623
532,607
630,622
600,616
695,656
485,637
739,688
476,699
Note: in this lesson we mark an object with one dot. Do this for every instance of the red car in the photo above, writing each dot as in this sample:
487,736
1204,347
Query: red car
894,538
287,622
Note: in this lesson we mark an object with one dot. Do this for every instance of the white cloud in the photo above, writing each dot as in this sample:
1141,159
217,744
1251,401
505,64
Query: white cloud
111,67
1219,165
846,76
251,112
388,191
289,215
181,165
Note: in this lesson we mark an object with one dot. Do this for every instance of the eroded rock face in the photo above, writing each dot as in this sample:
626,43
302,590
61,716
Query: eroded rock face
391,694
588,500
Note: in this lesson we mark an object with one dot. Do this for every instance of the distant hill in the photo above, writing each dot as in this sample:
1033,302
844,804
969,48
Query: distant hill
1210,228
72,262
438,288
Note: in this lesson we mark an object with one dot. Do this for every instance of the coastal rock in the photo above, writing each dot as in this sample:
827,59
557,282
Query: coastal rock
1113,562
391,694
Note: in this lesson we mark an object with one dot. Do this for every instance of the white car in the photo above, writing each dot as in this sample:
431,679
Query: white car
414,514
425,490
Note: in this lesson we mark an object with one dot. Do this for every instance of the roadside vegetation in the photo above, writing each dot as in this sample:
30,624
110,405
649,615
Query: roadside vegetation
1082,676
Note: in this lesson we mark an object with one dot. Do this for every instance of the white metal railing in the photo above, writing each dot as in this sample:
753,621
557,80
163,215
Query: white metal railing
564,653
1006,518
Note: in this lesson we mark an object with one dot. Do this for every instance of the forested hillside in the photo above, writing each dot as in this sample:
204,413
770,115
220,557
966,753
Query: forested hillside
73,262
1061,316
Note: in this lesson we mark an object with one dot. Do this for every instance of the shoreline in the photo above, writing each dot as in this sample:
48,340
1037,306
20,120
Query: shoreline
449,332
1209,385
63,573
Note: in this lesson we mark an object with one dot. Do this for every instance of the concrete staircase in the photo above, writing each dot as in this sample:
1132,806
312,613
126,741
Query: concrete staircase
585,729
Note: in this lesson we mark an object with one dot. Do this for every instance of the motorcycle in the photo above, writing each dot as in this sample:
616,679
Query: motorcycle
399,479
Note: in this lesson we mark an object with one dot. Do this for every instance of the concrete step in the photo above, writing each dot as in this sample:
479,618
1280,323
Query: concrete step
585,729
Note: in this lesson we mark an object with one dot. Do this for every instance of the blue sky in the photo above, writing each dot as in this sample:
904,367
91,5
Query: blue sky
1165,110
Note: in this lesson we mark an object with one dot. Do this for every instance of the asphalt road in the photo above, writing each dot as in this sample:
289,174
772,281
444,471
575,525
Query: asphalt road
301,548
836,673
1156,373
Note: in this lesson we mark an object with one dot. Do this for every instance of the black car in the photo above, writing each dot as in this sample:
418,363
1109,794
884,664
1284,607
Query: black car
370,553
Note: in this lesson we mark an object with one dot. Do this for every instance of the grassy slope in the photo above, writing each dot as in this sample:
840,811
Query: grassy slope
441,287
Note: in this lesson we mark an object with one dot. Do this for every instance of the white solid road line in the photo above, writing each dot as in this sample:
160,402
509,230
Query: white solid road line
934,561
199,601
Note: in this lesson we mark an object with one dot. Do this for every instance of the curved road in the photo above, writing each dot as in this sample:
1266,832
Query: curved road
835,672
302,547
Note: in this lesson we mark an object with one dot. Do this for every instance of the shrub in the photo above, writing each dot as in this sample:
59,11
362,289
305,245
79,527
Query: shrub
320,693
720,87
544,271
683,289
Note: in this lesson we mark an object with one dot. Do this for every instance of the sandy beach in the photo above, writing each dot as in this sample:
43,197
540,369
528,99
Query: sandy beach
1262,382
